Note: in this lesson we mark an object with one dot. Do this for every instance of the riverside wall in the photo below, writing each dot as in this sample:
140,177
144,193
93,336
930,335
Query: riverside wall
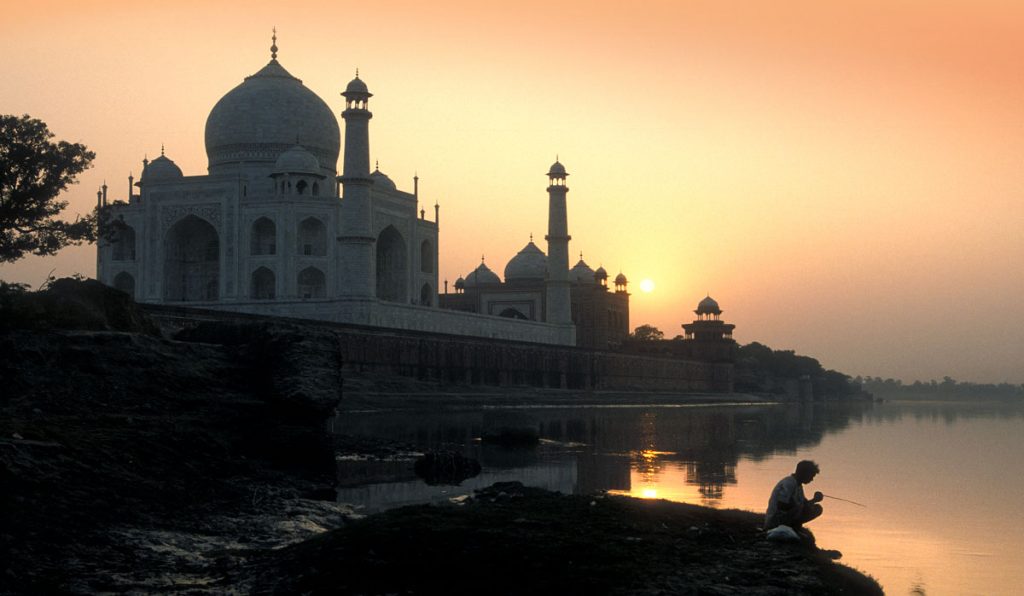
460,360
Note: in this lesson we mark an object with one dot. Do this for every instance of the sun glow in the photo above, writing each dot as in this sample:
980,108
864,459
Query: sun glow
647,286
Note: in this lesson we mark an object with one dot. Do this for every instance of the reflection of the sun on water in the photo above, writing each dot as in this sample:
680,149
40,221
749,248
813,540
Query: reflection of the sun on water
670,483
647,463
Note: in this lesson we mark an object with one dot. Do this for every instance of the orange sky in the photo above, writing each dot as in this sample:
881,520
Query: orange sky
844,179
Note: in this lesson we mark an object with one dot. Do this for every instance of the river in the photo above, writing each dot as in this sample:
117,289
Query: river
941,484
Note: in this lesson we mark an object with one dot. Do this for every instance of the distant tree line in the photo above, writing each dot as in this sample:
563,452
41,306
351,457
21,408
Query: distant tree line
948,388
761,369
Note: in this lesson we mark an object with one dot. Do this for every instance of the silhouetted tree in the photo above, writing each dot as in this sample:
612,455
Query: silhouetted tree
33,172
648,333
760,368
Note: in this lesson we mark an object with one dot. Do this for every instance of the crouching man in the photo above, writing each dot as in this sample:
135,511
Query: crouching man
788,506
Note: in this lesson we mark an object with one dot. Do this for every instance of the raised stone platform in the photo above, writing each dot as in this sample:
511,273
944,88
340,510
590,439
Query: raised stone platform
448,359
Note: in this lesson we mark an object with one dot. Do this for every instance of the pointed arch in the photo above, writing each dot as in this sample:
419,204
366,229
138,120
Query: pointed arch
312,283
264,237
391,267
426,295
426,257
125,282
263,285
312,237
191,261
123,242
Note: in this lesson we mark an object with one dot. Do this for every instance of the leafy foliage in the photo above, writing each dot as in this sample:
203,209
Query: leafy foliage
648,333
34,171
760,368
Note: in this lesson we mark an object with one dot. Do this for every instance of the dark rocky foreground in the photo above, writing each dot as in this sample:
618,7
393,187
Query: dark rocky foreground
130,462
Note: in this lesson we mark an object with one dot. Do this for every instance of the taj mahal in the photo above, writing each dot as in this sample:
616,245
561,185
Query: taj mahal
273,229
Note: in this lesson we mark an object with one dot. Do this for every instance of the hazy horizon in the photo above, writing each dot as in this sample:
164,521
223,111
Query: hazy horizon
844,179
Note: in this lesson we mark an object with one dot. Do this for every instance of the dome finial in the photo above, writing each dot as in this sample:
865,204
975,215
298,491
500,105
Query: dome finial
376,164
531,236
357,72
161,149
273,45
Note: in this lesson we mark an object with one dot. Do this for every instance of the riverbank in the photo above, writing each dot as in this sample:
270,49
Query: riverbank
134,463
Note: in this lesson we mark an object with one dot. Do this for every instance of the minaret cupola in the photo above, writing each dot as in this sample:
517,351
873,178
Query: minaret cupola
557,175
357,95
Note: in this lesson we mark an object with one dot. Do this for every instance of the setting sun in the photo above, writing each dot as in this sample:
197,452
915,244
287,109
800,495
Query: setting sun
647,285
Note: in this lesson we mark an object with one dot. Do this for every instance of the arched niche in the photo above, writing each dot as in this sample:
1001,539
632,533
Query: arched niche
312,283
191,261
263,240
426,295
391,266
312,237
123,242
125,282
426,257
263,285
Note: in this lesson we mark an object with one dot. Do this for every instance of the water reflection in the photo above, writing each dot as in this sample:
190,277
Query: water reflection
589,449
940,479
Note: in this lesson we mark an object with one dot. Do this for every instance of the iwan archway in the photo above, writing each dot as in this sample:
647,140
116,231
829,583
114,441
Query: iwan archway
191,261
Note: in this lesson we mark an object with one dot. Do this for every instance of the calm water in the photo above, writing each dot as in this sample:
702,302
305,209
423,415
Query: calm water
943,484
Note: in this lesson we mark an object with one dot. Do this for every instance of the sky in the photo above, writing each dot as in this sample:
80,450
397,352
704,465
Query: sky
844,178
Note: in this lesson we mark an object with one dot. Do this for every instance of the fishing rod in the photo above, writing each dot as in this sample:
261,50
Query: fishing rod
844,500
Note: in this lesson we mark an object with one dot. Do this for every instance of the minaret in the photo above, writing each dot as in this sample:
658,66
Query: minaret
356,266
557,284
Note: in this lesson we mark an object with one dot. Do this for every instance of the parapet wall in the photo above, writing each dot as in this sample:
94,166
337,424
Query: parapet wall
407,317
458,360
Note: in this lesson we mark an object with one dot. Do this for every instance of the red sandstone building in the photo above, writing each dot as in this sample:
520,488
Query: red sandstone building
599,312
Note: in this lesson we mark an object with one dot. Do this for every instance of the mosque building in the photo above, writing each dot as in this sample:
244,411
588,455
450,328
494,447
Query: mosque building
531,293
273,228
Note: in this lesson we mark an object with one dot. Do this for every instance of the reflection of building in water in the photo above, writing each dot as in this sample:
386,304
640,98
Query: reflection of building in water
710,477
591,449
536,285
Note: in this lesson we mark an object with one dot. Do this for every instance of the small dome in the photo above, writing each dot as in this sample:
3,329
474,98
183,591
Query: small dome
460,283
381,180
297,160
160,169
557,170
357,87
581,273
621,280
708,306
529,264
600,274
482,275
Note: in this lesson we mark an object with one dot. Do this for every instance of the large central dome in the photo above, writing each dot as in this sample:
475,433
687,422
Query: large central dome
270,112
